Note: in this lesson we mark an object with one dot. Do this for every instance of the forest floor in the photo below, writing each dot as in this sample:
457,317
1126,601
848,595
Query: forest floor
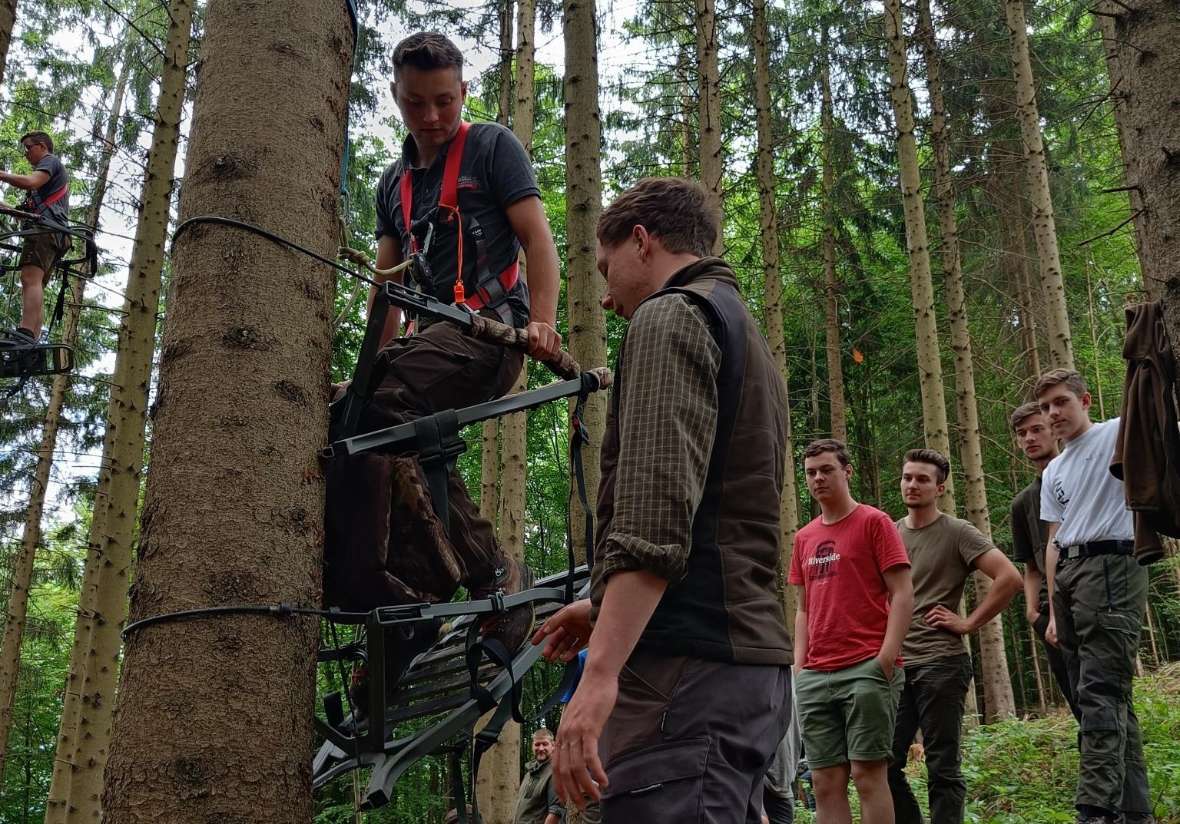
1023,771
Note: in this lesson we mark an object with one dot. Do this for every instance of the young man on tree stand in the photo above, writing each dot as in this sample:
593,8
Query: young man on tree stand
469,191
943,551
855,600
1030,537
1097,595
686,691
47,190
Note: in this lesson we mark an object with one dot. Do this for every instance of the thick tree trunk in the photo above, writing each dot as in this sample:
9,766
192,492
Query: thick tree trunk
214,714
709,108
117,510
836,409
67,742
934,422
583,203
997,685
772,280
1143,60
499,779
31,535
1044,224
7,24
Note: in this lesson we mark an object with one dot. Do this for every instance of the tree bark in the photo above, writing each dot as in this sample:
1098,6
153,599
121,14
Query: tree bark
1044,224
583,203
63,763
709,109
499,779
31,535
997,684
836,407
934,422
772,282
1143,61
116,510
214,714
7,24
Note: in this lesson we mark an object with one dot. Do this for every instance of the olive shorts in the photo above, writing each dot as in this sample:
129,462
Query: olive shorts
849,714
41,250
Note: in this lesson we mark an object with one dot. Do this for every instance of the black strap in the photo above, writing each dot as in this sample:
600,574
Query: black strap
579,436
439,445
458,790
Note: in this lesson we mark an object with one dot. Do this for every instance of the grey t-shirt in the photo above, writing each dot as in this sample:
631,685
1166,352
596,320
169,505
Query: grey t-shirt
942,555
496,172
1079,493
36,200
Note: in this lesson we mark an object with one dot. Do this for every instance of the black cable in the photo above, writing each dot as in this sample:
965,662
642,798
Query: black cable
271,236
278,610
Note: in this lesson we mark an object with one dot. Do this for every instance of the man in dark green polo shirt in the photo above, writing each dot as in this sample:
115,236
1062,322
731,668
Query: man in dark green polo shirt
537,802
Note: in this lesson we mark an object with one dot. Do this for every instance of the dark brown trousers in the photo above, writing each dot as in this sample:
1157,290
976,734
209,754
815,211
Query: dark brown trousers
383,543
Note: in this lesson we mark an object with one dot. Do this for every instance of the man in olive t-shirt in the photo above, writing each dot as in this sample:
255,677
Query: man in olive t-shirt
943,551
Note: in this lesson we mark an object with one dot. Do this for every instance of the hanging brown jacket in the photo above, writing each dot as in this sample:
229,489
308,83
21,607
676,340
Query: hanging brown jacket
1147,452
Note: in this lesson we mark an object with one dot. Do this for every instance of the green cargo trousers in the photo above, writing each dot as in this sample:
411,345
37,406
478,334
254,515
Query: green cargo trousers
1098,603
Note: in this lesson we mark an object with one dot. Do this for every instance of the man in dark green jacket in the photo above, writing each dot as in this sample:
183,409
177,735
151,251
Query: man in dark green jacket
537,802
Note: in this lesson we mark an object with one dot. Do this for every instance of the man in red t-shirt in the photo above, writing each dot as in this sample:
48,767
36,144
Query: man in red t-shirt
855,598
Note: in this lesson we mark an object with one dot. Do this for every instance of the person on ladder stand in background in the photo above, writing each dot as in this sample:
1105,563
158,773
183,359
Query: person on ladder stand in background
465,196
48,195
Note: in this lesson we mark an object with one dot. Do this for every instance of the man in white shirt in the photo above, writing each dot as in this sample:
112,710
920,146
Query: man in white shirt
1097,595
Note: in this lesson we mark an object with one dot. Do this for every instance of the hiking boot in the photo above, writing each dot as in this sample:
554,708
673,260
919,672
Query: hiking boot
1137,818
1096,818
513,627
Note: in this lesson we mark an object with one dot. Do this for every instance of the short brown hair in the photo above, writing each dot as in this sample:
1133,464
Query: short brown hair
427,50
1022,413
1072,381
823,445
932,457
38,137
676,210
541,733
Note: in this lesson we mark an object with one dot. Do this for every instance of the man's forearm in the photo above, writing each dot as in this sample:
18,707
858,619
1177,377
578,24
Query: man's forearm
542,273
26,182
901,612
1051,555
800,638
998,597
1032,589
627,605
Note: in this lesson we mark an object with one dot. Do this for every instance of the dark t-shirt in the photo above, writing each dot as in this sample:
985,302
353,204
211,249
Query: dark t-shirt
942,555
495,173
1030,535
35,200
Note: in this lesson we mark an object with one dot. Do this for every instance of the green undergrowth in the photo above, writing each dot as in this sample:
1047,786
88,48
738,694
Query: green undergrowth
1023,771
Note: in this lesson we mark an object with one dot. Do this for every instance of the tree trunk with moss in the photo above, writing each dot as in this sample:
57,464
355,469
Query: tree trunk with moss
214,715
837,413
772,281
997,685
709,109
1044,224
583,203
7,24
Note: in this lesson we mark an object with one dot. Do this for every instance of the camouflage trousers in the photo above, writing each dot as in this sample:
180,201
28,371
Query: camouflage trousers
1098,603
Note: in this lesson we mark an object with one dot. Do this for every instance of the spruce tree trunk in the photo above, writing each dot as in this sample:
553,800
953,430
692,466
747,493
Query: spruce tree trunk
997,685
499,777
7,24
772,282
213,721
117,510
31,535
837,409
934,422
709,108
1143,60
489,467
59,788
583,203
1044,224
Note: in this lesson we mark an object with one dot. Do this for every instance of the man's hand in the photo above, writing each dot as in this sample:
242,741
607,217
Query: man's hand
566,633
887,665
942,618
1051,630
577,772
544,342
